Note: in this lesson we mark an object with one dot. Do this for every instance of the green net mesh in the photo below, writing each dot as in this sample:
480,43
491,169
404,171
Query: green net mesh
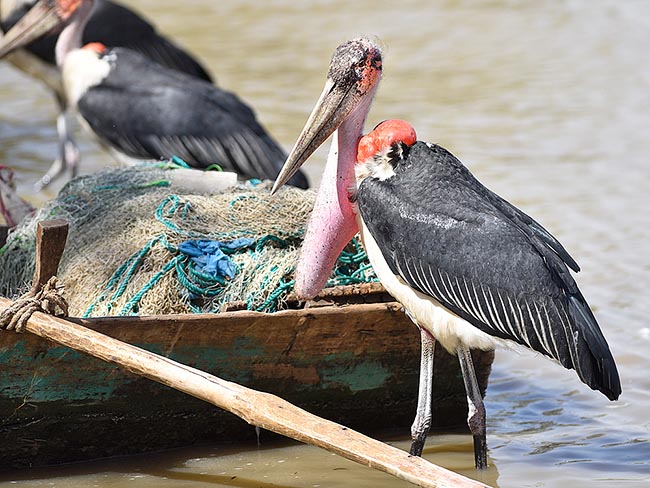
122,255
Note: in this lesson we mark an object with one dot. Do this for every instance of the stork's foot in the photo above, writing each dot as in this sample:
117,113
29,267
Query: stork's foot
475,407
422,422
419,431
476,424
67,162
52,174
480,451
417,446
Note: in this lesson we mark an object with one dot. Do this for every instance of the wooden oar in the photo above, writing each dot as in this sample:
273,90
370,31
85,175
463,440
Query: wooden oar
257,408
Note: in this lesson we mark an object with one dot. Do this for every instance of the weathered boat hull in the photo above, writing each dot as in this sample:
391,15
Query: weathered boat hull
354,364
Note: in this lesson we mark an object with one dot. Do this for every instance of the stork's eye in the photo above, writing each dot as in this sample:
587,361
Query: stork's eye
359,69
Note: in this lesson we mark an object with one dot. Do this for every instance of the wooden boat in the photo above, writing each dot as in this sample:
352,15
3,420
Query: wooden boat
351,356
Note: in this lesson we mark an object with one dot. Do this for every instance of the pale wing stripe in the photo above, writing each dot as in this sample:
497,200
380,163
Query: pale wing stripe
548,319
453,292
496,311
517,316
249,153
261,153
406,270
174,145
545,327
236,151
221,151
543,335
206,149
473,305
255,144
447,296
421,275
196,148
570,336
533,323
494,322
426,274
478,304
467,308
507,315
536,327
520,314
435,284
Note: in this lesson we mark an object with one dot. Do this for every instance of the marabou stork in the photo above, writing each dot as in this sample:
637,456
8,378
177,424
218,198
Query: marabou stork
142,110
470,269
111,24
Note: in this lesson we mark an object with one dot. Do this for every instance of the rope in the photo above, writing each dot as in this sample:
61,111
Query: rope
122,276
47,300
208,293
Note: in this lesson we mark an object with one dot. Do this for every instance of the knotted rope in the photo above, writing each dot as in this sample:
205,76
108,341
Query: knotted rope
48,300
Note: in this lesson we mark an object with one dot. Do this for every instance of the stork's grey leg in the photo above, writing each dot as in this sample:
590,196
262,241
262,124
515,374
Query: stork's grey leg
68,159
422,422
476,409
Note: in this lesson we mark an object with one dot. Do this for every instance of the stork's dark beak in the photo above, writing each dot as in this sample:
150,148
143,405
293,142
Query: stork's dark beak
41,19
332,108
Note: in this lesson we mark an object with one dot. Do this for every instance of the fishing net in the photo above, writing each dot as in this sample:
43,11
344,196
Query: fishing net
144,242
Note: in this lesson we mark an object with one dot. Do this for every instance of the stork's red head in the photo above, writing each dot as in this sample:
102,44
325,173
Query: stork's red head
383,137
43,18
96,47
352,79
353,76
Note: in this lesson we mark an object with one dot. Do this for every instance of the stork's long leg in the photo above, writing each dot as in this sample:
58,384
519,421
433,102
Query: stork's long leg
422,422
68,159
476,409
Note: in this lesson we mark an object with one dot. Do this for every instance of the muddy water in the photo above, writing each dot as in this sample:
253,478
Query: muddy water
548,103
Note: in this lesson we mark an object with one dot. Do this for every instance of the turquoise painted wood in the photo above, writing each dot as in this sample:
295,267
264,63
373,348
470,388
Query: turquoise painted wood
351,364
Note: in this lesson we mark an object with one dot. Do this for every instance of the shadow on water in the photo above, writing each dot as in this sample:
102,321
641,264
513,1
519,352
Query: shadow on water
279,463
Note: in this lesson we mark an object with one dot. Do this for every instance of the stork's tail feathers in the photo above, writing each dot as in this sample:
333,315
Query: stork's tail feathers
590,354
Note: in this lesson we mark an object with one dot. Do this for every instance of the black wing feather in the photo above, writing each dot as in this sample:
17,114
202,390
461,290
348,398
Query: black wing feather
137,34
449,237
149,112
114,25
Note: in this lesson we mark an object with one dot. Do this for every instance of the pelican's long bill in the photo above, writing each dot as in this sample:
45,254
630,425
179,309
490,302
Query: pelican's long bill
41,19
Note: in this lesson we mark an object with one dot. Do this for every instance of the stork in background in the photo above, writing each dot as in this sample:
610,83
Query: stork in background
111,24
142,110
470,269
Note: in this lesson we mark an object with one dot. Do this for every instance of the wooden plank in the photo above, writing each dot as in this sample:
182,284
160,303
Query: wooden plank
341,294
347,364
50,244
257,408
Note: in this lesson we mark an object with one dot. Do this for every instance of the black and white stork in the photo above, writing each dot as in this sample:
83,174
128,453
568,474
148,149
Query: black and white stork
141,110
470,269
111,24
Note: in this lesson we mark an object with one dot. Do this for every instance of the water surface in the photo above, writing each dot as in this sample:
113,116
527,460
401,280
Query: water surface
548,103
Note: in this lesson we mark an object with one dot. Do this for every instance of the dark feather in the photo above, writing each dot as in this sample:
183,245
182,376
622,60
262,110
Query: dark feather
451,238
149,112
114,25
